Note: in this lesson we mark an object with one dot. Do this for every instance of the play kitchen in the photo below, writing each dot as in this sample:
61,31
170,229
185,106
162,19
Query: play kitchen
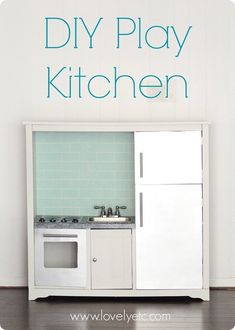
117,209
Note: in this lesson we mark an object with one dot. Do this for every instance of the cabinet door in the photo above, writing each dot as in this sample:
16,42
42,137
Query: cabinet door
169,237
111,259
168,157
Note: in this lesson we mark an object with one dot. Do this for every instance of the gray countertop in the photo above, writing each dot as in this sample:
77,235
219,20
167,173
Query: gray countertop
84,223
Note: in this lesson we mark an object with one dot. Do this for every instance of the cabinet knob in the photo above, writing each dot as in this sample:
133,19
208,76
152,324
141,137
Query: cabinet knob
94,259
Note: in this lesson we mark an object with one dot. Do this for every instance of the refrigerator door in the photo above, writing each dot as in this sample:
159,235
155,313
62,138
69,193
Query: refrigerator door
168,157
169,237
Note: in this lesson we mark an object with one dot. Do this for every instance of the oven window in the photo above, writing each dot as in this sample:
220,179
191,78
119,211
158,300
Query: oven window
60,254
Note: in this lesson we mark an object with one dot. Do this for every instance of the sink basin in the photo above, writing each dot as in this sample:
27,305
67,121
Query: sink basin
110,219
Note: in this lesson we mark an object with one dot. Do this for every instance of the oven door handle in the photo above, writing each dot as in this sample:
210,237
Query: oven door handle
61,235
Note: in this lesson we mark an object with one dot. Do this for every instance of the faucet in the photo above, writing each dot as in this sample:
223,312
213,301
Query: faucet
102,212
117,211
109,212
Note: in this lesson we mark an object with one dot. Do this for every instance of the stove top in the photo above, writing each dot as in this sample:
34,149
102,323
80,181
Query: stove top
74,222
49,219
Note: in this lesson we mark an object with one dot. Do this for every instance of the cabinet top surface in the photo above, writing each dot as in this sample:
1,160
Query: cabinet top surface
114,126
106,123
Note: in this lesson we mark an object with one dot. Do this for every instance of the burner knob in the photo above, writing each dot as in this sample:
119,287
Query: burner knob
41,220
75,220
64,220
52,220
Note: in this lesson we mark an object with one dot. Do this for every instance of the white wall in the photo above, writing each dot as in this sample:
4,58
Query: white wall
208,59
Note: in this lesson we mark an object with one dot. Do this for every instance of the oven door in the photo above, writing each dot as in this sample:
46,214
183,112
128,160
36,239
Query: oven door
60,257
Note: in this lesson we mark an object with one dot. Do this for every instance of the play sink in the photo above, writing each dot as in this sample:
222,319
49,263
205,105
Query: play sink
110,219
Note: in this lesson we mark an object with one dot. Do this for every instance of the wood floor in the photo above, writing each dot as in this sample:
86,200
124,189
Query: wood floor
17,313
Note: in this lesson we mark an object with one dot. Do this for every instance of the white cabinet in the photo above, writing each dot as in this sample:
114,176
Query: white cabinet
168,157
111,261
167,254
169,237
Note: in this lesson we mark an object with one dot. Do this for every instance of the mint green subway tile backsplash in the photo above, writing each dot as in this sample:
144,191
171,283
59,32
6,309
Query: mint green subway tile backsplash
75,171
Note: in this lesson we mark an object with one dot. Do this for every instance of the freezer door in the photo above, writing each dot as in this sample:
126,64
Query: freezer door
168,157
169,237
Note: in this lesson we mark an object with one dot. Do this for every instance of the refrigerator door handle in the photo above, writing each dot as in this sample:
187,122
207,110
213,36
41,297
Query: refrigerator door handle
141,165
141,210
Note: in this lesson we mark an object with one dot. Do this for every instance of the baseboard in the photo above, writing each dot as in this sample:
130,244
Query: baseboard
222,282
13,282
13,287
225,288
